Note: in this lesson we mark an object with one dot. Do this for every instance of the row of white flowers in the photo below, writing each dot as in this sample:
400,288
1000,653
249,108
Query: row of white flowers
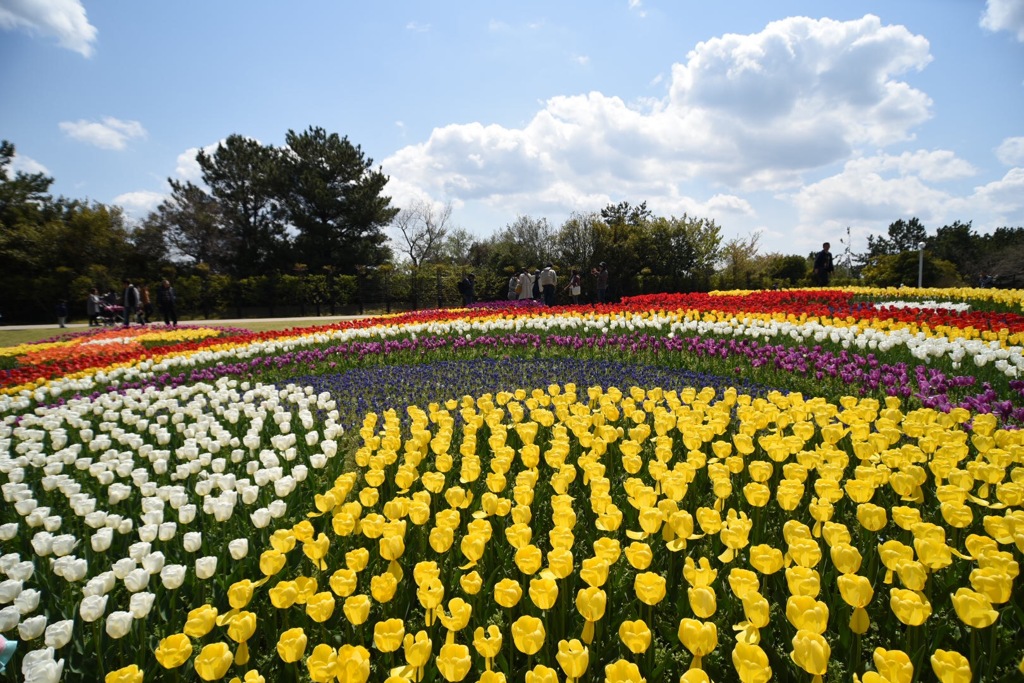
1007,359
117,482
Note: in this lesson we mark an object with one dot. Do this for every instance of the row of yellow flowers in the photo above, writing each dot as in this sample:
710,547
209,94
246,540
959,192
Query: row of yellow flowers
523,517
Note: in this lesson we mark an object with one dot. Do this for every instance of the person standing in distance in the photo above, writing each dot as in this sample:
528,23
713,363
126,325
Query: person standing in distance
823,266
167,301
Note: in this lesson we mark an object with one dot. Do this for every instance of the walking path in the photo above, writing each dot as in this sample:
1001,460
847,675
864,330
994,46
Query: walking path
299,322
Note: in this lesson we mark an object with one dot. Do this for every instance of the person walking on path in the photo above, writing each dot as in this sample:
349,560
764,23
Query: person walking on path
467,288
575,286
131,302
167,301
92,307
62,313
548,282
601,273
525,285
823,266
145,311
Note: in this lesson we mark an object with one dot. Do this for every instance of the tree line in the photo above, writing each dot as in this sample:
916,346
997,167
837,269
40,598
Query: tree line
307,228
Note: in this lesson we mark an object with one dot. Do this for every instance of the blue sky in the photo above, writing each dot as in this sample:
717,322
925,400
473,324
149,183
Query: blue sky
790,119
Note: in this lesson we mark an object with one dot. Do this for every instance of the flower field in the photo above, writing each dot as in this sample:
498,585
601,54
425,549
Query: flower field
804,485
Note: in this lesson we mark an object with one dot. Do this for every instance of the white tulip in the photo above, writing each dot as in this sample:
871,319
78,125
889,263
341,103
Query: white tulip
260,518
101,540
125,527
28,600
154,562
64,544
148,532
32,628
123,566
92,607
278,508
238,548
329,447
168,530
8,560
300,472
58,634
8,531
140,604
187,513
42,543
119,624
38,666
192,541
312,438
250,494
206,567
318,461
172,575
136,580
139,550
9,590
75,569
284,486
53,522
9,618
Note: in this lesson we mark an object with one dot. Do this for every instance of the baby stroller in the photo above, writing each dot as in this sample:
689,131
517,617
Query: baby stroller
111,312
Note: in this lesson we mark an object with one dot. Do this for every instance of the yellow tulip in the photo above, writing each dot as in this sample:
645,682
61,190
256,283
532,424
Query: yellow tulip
910,607
846,558
560,562
649,587
757,494
383,587
441,539
213,661
805,552
529,559
702,601
356,559
974,609
694,676
913,575
507,593
756,609
871,516
315,550
389,634
766,559
751,663
951,667
320,607
128,674
459,612
893,665
272,561
306,587
608,549
700,638
418,649
291,646
743,581
471,583
173,651
543,592
541,674
353,664
487,643
528,634
621,671
635,635
594,571
807,614
591,602
993,583
811,652
573,656
357,609
200,621
803,581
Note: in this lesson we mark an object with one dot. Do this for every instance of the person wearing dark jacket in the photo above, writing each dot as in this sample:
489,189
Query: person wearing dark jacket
167,301
131,301
823,266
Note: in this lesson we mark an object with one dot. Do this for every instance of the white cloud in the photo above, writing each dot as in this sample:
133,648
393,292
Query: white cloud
23,164
110,133
417,27
582,60
188,168
1011,151
744,112
637,6
1004,197
1004,15
139,203
63,19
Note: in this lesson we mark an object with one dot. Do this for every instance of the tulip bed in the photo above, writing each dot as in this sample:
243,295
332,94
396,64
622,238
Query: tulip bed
794,486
